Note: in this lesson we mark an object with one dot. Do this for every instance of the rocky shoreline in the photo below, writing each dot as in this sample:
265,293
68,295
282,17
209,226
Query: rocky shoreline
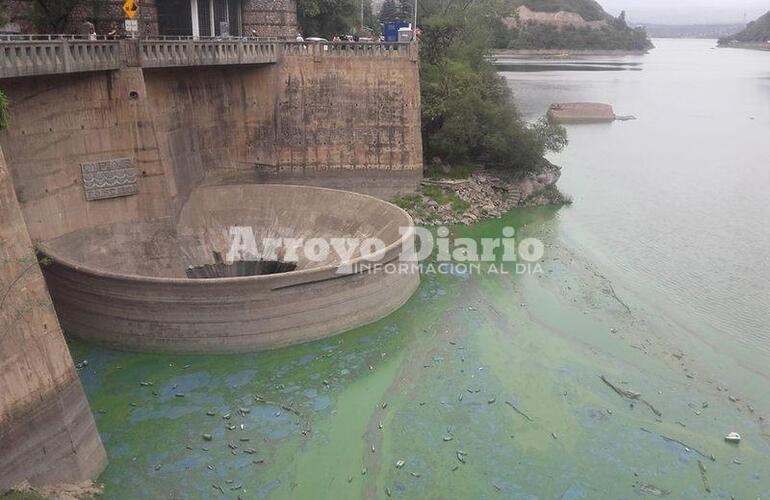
485,194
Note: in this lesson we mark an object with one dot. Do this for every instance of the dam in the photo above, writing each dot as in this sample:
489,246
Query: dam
125,163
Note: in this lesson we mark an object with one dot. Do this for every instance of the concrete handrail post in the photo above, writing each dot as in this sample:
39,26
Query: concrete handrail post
66,56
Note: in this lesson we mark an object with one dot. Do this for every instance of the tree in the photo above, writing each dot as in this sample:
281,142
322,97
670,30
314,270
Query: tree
388,11
3,111
467,108
327,18
405,10
52,16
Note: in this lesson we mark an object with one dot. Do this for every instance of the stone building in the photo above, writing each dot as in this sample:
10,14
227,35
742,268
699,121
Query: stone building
198,18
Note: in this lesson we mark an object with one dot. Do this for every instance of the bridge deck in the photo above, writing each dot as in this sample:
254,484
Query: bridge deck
35,55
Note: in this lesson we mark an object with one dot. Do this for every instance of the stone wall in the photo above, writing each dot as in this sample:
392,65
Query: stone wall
270,18
47,431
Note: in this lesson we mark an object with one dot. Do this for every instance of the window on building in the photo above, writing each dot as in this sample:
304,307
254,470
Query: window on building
174,17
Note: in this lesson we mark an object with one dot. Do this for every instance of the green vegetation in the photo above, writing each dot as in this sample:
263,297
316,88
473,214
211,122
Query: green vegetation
756,32
442,197
538,36
3,111
417,204
468,113
327,18
52,16
448,171
616,35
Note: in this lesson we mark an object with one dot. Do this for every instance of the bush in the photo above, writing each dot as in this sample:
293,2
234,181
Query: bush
468,114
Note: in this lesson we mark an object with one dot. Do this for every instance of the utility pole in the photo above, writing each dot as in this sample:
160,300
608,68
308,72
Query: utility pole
362,15
414,26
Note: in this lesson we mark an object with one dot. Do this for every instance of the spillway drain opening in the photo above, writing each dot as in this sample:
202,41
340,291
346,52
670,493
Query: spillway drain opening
240,269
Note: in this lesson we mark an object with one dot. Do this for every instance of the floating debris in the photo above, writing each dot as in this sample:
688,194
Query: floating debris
145,384
210,467
491,401
217,487
226,416
350,479
400,463
236,487
455,467
232,445
733,437
373,449
686,446
157,467
207,437
387,491
380,425
179,395
733,399
553,435
702,469
633,395
384,405
250,451
461,456
363,471
415,474
519,411
211,413
448,438
649,489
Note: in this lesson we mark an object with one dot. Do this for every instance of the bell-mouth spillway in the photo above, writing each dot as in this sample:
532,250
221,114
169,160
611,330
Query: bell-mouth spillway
167,285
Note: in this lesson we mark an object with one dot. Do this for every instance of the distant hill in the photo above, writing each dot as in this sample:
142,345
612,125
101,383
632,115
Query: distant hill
708,31
756,32
567,25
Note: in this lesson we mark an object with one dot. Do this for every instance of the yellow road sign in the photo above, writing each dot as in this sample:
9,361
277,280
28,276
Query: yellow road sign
131,8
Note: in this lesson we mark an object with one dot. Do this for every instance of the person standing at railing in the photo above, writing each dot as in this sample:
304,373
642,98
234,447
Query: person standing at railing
87,30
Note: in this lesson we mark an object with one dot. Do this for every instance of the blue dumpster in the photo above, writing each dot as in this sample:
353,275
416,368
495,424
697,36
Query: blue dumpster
390,29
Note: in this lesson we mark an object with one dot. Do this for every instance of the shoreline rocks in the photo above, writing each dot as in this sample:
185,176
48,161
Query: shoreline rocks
486,194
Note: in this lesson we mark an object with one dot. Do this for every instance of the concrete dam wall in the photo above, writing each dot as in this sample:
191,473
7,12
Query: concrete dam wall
346,119
47,431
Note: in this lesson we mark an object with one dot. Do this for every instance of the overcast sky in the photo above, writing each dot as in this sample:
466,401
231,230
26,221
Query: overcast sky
688,11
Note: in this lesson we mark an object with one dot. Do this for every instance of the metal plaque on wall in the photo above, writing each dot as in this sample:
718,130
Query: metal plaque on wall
109,179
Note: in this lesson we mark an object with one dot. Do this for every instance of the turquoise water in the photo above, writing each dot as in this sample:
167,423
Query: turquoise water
488,385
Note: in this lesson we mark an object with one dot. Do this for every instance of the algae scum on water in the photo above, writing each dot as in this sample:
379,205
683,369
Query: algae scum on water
481,386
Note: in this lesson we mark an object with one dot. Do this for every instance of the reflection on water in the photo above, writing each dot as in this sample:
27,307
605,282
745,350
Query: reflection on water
537,65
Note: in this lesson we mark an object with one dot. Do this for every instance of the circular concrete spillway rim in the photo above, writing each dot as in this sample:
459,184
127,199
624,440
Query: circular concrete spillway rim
50,253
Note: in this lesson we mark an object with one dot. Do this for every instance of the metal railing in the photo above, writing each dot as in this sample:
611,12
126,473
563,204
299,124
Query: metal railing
61,55
169,53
